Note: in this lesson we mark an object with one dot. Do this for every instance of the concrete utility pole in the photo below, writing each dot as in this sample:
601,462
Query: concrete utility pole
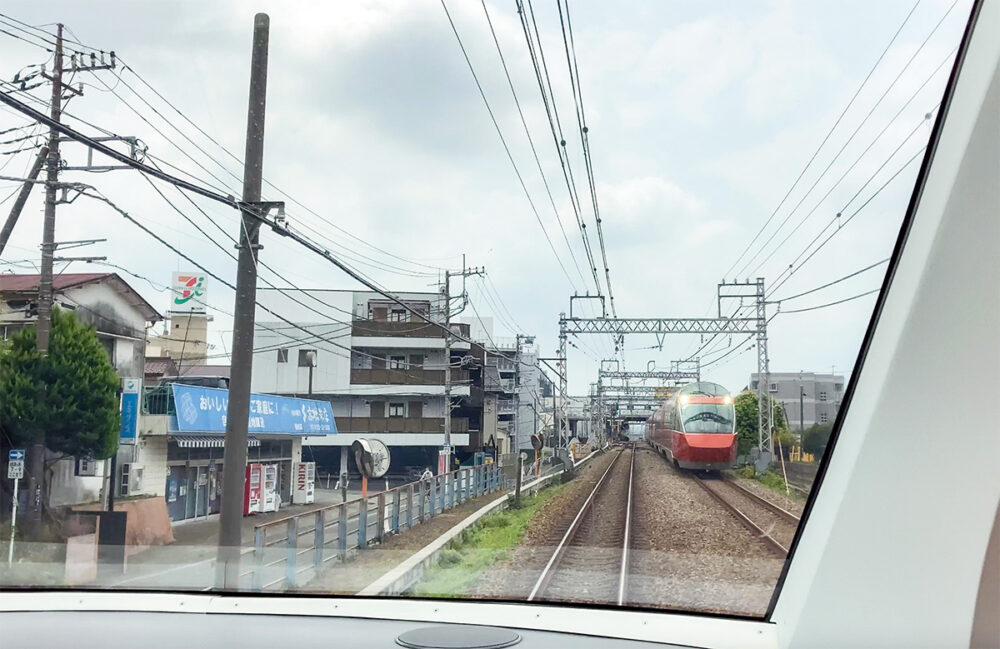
466,272
235,455
22,197
49,220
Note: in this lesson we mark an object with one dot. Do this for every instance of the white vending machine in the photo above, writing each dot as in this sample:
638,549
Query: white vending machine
269,489
304,487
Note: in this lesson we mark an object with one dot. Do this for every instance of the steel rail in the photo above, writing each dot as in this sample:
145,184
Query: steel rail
574,527
623,575
782,513
769,541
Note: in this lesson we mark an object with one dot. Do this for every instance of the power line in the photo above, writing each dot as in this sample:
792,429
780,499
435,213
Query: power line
829,284
825,139
574,74
503,141
857,160
555,126
823,306
793,268
531,142
854,133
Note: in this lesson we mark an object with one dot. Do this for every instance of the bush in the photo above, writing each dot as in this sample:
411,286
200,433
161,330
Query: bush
449,558
815,438
771,480
747,472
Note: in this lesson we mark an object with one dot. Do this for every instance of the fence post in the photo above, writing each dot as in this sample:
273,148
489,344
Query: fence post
319,539
409,506
342,532
433,496
395,510
291,543
256,579
452,484
462,494
442,492
362,524
380,525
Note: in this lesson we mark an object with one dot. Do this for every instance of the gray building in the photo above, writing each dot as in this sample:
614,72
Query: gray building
819,394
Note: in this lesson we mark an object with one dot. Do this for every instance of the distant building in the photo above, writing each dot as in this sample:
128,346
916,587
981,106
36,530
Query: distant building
821,395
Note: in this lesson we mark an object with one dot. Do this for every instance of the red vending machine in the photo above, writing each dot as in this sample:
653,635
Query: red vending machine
252,489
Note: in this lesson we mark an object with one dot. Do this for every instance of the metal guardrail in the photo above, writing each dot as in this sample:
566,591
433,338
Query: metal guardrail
290,551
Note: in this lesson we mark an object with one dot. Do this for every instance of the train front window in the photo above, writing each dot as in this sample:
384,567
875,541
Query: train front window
707,418
515,243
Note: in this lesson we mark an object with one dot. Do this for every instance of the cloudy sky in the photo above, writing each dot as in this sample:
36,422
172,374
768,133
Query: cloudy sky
701,117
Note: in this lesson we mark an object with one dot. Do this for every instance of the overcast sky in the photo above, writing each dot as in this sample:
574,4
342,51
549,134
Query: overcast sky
701,116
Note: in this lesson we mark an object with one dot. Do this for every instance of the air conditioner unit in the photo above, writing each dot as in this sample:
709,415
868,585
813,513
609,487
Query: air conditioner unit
130,479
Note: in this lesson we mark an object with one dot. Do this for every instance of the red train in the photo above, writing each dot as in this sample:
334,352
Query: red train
696,427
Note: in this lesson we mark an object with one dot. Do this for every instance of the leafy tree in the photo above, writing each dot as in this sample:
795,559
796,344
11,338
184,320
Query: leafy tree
815,438
746,420
67,399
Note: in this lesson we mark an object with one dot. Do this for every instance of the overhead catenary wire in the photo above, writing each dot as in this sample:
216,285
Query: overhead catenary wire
503,141
829,284
855,132
574,73
826,138
531,141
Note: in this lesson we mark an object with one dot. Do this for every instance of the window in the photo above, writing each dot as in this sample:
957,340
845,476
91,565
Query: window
421,197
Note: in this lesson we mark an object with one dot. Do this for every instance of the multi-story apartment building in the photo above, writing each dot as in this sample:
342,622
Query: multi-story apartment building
383,371
819,394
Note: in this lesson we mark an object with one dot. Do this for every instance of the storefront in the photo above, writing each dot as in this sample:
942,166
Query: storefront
195,446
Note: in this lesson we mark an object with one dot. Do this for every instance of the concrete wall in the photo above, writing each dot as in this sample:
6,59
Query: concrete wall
66,489
153,456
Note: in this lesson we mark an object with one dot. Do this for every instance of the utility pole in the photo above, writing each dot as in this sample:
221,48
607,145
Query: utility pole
802,405
49,220
466,272
22,197
235,455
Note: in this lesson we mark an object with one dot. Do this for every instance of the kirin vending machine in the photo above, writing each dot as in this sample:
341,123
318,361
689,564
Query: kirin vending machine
304,487
252,489
269,489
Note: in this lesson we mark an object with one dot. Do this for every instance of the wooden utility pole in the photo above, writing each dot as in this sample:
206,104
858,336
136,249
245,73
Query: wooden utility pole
237,417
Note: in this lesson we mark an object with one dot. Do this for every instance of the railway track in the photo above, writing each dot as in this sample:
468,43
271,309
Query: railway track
590,561
773,525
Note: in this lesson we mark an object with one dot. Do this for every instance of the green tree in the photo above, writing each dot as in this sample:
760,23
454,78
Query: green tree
65,401
746,420
815,438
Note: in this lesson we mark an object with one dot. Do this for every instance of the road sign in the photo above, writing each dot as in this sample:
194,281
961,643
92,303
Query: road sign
15,464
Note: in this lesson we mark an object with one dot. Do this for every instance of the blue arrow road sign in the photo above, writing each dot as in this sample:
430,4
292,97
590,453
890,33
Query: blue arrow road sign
15,454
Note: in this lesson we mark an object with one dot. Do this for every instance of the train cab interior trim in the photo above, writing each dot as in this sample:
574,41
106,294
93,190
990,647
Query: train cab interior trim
885,557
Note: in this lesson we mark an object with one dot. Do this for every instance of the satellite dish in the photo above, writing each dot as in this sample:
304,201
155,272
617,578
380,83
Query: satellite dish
380,458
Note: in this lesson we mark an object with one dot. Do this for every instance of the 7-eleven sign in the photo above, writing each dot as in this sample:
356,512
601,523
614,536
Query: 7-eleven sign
187,293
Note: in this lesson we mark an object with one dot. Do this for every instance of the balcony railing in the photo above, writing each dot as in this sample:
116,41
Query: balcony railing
158,400
404,329
400,424
412,376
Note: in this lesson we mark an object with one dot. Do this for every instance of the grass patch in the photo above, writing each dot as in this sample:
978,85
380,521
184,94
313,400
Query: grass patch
460,566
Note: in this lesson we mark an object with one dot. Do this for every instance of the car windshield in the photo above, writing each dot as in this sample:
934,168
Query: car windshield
425,298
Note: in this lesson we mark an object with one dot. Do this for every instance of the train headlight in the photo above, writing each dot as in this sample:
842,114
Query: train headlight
727,399
685,398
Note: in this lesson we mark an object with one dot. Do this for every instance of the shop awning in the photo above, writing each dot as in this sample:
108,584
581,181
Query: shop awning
207,441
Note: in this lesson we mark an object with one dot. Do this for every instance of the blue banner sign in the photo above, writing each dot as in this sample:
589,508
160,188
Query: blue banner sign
203,410
130,410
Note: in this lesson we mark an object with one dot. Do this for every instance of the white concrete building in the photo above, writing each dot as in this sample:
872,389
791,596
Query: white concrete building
381,368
